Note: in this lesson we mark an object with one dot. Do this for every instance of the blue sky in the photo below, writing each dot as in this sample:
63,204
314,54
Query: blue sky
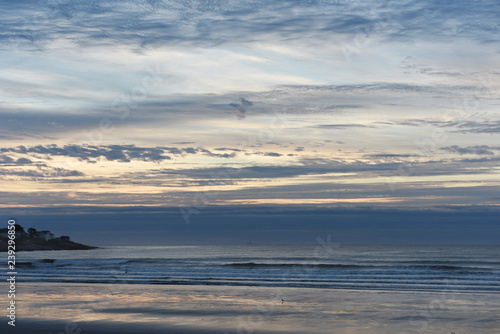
379,105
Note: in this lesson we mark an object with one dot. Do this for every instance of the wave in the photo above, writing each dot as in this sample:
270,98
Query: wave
279,265
249,265
346,266
361,285
79,262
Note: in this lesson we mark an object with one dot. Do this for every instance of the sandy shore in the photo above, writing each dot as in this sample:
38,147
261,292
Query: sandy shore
99,308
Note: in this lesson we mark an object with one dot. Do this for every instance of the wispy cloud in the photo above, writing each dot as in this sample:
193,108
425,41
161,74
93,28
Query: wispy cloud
477,150
153,23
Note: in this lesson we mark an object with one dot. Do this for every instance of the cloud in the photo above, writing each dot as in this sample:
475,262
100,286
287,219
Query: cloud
411,67
270,154
209,153
478,149
397,166
340,126
84,126
343,106
118,153
5,160
479,126
23,161
228,149
279,65
461,126
215,224
241,107
390,155
42,172
153,23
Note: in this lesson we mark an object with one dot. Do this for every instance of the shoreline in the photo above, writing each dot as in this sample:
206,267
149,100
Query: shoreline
229,286
145,308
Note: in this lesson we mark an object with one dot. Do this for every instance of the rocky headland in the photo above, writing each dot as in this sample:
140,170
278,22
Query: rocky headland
33,240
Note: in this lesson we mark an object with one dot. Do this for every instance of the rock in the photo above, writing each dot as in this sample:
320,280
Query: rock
3,246
23,264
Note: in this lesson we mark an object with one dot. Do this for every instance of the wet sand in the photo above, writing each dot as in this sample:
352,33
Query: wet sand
102,308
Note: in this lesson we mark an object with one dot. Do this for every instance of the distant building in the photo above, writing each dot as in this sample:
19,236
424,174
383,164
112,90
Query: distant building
46,235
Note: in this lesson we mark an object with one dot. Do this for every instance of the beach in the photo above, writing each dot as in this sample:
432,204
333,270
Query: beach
370,289
123,308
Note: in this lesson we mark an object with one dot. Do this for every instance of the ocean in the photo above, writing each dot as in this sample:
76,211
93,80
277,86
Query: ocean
324,265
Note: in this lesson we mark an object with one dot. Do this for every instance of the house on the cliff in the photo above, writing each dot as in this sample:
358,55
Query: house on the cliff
45,235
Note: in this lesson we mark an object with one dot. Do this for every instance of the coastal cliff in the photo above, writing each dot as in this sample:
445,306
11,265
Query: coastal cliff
33,240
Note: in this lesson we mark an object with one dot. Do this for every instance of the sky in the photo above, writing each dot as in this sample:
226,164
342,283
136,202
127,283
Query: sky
179,114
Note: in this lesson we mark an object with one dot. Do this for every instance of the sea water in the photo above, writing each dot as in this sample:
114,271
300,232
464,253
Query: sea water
370,267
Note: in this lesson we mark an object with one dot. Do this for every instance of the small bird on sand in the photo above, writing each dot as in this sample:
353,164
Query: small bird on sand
282,300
